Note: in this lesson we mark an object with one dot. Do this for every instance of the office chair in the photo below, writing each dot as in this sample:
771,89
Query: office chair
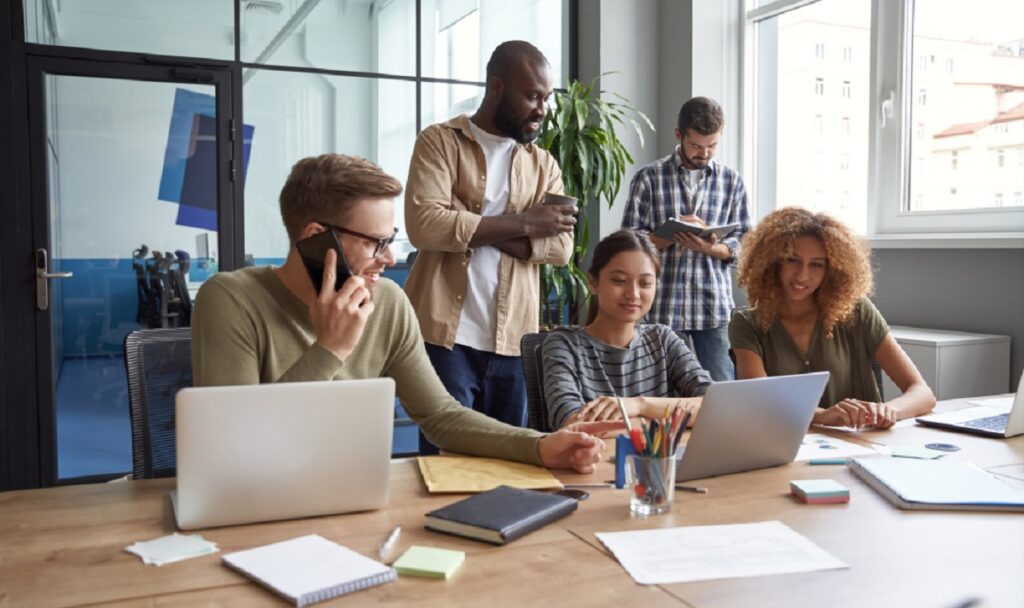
158,362
533,372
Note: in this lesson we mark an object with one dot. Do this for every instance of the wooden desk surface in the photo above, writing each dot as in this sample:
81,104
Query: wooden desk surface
65,546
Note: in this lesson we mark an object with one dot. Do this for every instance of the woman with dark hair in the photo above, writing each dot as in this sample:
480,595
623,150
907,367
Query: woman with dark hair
589,370
807,278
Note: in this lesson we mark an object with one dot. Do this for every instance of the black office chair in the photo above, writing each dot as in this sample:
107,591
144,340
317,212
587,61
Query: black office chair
533,371
159,362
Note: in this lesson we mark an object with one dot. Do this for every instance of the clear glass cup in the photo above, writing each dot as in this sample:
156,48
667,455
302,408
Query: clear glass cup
652,484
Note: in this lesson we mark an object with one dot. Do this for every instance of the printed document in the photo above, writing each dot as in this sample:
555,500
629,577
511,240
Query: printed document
816,445
700,553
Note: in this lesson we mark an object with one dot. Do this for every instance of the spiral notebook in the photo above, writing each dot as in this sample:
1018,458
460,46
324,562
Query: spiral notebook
309,569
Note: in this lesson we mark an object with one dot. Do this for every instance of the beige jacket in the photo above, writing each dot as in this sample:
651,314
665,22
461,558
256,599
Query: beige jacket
447,159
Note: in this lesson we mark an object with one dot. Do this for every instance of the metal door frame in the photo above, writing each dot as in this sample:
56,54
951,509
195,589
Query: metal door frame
229,223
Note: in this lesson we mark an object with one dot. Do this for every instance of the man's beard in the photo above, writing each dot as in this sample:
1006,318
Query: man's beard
692,163
508,127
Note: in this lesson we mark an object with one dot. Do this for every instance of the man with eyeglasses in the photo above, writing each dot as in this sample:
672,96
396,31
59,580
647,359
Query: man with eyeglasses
266,324
474,209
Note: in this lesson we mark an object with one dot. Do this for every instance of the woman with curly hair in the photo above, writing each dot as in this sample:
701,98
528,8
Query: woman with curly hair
807,278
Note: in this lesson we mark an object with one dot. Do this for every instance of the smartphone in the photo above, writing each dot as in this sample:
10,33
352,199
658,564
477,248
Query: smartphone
314,249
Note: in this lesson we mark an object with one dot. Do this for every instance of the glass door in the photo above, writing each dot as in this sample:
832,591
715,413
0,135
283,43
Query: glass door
136,172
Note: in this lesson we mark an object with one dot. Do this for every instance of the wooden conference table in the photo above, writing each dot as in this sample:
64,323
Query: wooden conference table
64,546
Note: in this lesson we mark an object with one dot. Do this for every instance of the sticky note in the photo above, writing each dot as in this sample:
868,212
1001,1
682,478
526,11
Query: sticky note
827,461
173,548
428,562
819,491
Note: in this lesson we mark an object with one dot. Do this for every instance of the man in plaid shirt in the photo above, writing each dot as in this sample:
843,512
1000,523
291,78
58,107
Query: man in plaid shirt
695,288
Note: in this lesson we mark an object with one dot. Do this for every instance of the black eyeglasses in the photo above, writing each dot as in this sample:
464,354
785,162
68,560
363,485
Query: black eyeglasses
380,243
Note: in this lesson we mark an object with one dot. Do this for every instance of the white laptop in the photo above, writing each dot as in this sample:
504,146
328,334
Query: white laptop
281,451
992,417
751,424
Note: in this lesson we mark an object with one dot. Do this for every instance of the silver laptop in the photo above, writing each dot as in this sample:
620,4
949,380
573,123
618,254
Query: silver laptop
993,417
282,451
750,424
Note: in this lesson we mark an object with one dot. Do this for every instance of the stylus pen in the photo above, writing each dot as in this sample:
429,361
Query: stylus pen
694,489
625,417
389,543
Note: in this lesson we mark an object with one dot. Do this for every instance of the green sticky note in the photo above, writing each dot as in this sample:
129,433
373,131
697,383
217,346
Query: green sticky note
901,451
428,562
819,488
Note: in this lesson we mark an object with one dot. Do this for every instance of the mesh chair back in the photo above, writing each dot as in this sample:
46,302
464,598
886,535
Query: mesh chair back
533,372
159,362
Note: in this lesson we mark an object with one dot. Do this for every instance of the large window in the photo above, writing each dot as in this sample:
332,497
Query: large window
969,74
814,124
347,76
900,118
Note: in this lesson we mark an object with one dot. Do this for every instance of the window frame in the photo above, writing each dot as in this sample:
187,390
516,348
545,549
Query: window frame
890,220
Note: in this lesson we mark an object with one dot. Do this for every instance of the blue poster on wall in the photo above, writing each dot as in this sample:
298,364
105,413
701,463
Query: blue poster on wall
189,177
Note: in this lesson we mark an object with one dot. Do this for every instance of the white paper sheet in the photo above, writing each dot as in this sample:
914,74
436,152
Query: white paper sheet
699,553
816,445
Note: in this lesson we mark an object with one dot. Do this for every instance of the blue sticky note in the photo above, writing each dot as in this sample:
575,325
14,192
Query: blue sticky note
827,461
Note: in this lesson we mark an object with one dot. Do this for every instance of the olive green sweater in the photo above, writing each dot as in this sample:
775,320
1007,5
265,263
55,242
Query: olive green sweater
248,328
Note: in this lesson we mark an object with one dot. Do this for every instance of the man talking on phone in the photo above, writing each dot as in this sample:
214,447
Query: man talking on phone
268,324
475,211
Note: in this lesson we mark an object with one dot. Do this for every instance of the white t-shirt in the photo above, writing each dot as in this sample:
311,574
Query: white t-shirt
691,185
477,324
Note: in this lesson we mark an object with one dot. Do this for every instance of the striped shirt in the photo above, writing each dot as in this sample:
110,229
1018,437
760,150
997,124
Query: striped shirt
695,290
579,368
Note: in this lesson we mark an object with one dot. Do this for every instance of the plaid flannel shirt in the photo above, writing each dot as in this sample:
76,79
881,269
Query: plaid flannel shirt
695,290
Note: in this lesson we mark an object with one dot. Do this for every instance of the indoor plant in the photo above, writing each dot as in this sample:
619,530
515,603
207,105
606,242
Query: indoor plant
580,132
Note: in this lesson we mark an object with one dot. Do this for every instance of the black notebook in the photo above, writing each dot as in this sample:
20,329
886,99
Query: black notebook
500,515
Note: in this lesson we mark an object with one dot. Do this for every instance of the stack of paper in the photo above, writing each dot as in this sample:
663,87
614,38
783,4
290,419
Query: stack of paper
429,562
819,491
173,548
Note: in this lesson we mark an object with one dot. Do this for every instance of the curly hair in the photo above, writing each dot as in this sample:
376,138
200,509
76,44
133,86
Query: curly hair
848,275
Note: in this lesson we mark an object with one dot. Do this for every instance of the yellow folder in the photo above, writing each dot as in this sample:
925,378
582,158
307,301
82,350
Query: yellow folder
469,474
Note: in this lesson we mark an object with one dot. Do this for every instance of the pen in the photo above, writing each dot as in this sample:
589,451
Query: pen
625,418
610,484
694,489
389,543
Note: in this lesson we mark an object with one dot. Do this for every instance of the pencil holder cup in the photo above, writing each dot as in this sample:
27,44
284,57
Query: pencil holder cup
652,483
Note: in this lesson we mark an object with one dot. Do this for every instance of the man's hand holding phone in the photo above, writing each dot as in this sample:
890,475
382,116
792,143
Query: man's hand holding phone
340,316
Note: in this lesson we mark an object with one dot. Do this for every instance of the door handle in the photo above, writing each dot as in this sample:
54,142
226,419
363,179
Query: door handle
43,276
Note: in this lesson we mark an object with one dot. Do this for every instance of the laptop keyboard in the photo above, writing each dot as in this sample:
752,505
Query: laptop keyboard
990,423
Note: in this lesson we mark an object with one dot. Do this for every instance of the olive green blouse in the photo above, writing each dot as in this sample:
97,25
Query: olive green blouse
846,355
